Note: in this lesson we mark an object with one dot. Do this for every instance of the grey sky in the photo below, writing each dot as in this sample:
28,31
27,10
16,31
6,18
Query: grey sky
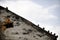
47,2
46,13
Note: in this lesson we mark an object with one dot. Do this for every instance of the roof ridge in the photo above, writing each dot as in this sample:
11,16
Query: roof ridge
1,7
32,24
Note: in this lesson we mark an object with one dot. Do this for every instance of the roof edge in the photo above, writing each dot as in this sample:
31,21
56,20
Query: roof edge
32,24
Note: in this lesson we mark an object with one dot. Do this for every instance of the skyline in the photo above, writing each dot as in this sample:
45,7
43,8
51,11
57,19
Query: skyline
45,13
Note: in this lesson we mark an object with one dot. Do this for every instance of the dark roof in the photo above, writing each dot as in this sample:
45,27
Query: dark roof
33,25
1,7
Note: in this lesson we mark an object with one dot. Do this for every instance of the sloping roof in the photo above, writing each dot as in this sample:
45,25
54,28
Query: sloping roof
32,24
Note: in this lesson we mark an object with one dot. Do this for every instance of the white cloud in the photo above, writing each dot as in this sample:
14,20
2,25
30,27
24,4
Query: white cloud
14,0
30,9
53,6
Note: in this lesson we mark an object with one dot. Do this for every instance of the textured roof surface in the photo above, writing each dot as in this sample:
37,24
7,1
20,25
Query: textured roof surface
30,23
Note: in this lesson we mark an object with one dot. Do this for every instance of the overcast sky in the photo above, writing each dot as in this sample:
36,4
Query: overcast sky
46,13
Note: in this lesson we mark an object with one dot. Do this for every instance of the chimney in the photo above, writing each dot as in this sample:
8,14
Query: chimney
48,31
38,25
43,28
7,8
